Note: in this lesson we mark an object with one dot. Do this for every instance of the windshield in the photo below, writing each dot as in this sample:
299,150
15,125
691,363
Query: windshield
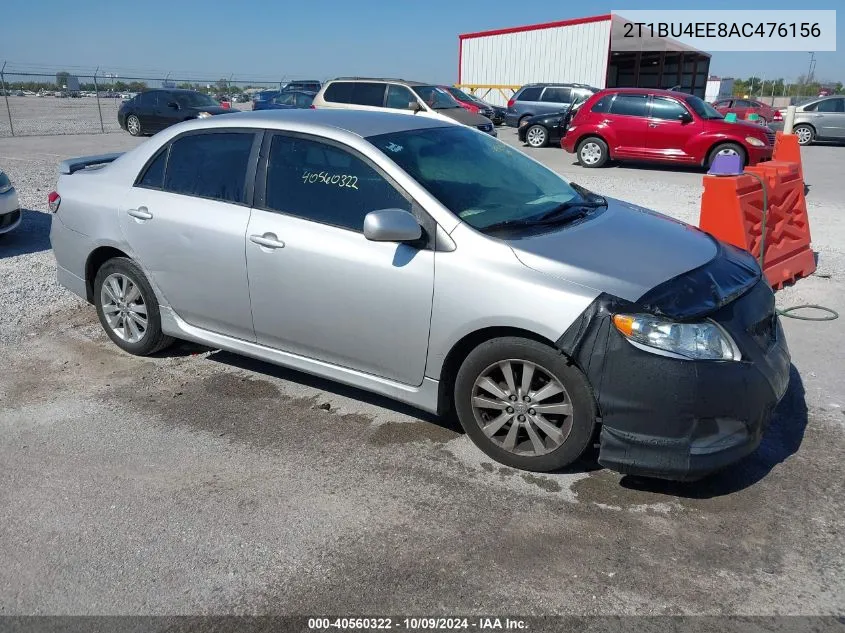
436,98
194,100
481,180
703,109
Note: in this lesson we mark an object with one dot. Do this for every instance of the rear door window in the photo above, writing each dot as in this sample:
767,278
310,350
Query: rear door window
556,95
148,99
630,105
368,94
831,105
210,165
324,183
530,94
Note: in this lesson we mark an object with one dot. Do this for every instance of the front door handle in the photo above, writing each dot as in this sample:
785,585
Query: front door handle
140,213
268,240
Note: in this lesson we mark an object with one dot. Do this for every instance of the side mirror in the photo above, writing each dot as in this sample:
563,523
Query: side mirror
686,117
391,225
414,106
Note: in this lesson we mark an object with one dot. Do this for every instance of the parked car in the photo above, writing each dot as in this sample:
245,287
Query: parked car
553,310
744,107
263,95
153,110
306,85
820,119
10,208
660,125
470,102
287,100
533,99
413,98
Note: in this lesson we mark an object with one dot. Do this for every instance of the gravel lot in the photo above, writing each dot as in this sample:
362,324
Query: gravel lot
202,482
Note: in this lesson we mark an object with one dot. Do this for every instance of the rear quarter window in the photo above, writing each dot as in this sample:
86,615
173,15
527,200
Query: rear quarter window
603,104
339,92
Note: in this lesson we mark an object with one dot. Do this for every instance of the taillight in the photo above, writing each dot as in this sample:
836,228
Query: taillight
511,102
777,116
53,201
312,107
226,105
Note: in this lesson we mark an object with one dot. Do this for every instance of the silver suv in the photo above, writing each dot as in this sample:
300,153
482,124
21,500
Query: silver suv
438,266
398,96
820,119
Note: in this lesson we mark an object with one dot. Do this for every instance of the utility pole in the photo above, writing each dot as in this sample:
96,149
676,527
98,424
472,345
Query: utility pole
811,71
6,96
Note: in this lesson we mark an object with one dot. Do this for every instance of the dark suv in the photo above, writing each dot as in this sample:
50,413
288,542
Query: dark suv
534,99
153,110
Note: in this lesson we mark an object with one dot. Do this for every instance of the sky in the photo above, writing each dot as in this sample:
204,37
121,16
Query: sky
251,39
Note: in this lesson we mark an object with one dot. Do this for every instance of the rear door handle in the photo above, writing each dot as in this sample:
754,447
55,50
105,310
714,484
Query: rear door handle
652,124
268,240
140,213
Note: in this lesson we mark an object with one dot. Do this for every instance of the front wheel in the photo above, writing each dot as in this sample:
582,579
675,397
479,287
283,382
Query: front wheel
128,309
524,404
727,149
537,136
592,152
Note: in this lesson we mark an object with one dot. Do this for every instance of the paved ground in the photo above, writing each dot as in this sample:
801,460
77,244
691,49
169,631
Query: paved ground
201,482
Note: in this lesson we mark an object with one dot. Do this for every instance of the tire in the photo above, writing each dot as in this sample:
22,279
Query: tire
805,133
514,445
727,148
537,136
133,125
592,152
122,329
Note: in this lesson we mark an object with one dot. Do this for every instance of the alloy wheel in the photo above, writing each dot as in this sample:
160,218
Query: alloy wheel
133,125
536,136
522,407
124,307
804,134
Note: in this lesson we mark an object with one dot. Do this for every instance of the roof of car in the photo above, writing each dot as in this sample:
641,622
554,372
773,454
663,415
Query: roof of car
650,91
394,79
360,122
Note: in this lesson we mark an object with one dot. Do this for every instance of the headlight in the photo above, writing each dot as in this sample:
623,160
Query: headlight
756,142
697,341
5,183
203,115
523,122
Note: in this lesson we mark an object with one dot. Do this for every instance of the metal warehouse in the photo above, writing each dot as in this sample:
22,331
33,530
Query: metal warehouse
591,50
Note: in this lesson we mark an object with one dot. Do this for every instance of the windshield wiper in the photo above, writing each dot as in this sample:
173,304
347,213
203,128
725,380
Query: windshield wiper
567,211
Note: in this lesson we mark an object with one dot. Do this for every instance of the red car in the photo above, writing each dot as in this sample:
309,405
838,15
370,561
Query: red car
469,102
660,125
743,107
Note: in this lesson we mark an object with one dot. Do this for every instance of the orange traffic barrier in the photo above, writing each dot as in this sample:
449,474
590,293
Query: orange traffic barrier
732,211
787,150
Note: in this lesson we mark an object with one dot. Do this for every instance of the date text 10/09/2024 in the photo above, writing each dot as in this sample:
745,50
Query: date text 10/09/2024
722,29
417,624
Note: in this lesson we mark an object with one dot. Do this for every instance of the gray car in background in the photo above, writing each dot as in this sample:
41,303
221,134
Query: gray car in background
533,99
436,265
818,120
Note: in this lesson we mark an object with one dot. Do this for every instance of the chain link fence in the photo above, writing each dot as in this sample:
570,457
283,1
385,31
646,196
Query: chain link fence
36,102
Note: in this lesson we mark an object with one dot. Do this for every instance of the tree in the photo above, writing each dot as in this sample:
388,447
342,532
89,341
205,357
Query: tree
62,78
222,85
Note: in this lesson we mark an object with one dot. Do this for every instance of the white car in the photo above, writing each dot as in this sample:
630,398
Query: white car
10,208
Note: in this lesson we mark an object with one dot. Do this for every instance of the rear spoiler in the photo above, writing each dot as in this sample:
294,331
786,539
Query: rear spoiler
83,162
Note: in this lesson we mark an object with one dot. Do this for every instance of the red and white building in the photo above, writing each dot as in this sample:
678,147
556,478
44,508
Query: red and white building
591,50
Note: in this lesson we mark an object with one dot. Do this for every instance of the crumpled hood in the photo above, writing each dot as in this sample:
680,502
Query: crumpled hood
624,250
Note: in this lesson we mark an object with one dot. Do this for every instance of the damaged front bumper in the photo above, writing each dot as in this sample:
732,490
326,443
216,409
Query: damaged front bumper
683,419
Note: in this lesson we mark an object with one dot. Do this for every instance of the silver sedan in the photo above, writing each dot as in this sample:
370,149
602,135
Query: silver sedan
10,208
434,264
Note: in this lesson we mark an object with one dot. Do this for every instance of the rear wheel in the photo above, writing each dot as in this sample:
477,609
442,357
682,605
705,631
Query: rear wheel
537,136
127,308
524,404
592,152
133,125
727,149
805,133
